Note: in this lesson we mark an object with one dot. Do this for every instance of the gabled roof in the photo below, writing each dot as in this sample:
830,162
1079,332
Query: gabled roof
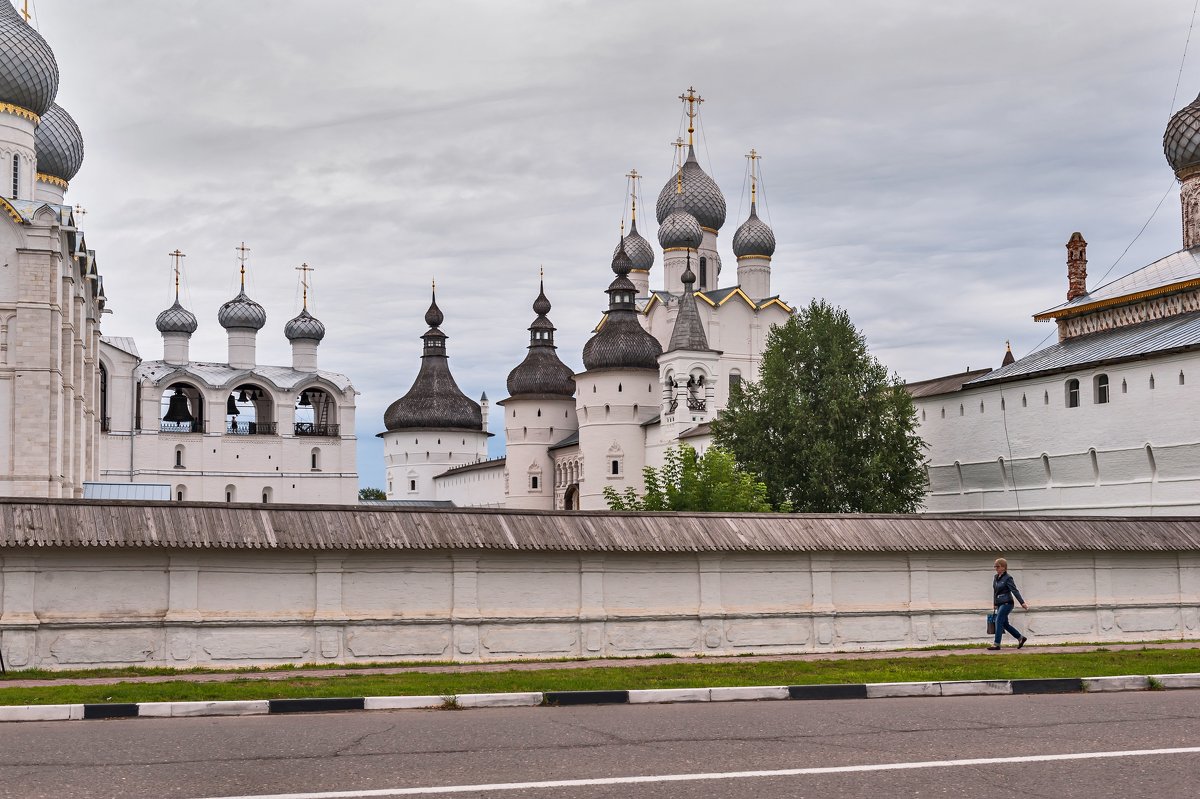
569,441
487,463
1176,272
943,385
716,298
1159,337
122,343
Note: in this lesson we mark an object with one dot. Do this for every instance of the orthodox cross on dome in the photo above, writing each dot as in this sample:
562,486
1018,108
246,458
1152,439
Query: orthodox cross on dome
634,177
304,269
693,101
177,256
242,249
25,11
80,210
753,157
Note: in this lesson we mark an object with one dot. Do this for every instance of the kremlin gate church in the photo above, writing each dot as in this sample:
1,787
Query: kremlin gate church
657,369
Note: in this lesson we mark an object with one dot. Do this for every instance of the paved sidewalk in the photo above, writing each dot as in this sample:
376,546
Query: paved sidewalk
452,668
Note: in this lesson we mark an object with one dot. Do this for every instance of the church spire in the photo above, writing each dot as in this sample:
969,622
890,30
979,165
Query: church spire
689,330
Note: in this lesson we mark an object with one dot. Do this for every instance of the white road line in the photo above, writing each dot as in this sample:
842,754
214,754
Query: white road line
723,775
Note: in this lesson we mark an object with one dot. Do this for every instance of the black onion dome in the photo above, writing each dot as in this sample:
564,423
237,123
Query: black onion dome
621,342
242,312
176,319
541,373
754,237
304,326
701,196
59,144
640,253
435,401
1181,141
28,71
679,228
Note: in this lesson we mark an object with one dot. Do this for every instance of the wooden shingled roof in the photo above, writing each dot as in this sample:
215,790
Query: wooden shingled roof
26,523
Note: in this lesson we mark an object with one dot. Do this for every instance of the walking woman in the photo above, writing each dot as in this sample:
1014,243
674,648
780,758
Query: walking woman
1004,591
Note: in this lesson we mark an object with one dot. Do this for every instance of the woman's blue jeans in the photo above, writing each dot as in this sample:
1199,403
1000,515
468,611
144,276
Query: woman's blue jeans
1002,624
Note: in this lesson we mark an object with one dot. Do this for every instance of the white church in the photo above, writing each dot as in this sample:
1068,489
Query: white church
657,369
1106,420
83,415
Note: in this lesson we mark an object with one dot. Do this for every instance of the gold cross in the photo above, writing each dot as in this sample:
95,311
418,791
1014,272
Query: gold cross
177,255
634,177
692,99
753,157
304,269
80,210
25,11
242,249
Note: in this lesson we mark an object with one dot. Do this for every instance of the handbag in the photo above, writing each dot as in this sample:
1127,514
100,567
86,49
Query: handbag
991,623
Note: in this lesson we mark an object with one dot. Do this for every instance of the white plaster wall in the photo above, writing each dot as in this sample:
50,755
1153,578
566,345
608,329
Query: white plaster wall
531,427
422,455
612,404
63,608
474,488
1138,453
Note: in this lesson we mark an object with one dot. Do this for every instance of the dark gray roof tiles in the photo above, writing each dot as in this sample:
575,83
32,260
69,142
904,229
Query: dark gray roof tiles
59,144
754,237
640,253
304,326
242,312
86,524
1181,141
176,319
621,342
28,70
701,196
679,228
688,333
541,374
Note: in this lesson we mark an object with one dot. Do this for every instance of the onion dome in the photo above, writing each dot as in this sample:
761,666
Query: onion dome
679,229
641,255
176,319
28,71
754,237
1181,142
621,342
59,144
541,374
242,312
435,400
689,330
304,326
701,197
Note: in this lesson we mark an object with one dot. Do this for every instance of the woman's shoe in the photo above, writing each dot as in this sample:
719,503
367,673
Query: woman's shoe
993,647
1021,643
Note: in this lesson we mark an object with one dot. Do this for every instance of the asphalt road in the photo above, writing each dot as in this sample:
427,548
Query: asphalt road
354,754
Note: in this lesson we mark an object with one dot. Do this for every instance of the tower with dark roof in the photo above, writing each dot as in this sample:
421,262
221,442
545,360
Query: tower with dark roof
434,426
539,412
688,370
754,244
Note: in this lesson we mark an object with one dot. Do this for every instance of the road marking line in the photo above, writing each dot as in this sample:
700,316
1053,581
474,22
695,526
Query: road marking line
726,775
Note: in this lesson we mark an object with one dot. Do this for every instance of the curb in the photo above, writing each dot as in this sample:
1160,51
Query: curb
887,690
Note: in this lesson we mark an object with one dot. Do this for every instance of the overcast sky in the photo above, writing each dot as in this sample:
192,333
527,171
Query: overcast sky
924,164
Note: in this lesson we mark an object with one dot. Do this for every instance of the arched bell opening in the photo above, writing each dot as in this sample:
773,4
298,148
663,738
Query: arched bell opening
181,409
316,413
249,411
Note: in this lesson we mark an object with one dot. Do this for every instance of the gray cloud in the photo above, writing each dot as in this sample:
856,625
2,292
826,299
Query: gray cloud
924,165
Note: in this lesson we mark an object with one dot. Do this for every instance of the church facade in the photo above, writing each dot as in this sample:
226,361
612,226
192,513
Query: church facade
657,369
51,293
1106,420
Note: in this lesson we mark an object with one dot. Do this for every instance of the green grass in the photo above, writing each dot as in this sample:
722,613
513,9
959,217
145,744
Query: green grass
1008,665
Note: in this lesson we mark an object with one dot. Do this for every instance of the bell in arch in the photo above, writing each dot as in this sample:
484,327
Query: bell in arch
304,401
177,411
231,407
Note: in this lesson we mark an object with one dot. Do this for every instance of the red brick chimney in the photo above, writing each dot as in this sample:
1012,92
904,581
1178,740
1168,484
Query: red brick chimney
1076,266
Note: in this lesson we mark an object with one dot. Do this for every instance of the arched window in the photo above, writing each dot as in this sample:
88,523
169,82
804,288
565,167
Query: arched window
316,413
1024,402
1151,382
1100,389
16,175
315,459
181,409
703,273
230,493
103,374
180,493
1072,389
179,457
1124,386
735,381
266,495
249,411
1181,377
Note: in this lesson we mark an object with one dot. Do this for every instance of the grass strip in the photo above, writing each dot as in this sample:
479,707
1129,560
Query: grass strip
654,674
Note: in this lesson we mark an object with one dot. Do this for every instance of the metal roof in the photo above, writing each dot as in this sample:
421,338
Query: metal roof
215,375
1126,343
475,466
570,441
155,492
943,385
1178,267
36,523
122,343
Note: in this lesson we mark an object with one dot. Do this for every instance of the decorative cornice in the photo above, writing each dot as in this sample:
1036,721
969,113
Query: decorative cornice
776,301
710,230
766,258
52,180
1158,291
17,110
7,206
678,249
641,271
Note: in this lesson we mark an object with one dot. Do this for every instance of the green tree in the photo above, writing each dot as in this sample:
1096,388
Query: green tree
688,481
825,427
371,493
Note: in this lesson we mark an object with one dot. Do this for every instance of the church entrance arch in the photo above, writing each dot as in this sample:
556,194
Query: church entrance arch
571,498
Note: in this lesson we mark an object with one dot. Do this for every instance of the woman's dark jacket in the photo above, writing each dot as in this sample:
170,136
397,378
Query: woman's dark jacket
1004,588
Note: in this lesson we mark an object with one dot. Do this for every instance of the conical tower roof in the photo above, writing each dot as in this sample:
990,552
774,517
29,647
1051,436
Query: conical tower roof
621,342
541,374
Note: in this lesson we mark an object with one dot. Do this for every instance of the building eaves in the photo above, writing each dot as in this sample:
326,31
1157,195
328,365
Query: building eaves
943,385
1178,271
490,463
569,441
